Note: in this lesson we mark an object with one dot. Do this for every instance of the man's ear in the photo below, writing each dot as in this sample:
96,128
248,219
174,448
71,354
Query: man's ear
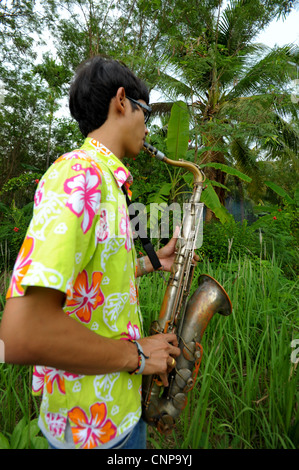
120,100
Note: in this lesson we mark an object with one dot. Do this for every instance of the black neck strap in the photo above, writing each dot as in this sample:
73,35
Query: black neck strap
146,243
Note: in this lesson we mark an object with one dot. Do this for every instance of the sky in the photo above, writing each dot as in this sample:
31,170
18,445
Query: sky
278,33
281,32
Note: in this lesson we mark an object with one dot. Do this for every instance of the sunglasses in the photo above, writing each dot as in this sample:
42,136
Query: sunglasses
146,109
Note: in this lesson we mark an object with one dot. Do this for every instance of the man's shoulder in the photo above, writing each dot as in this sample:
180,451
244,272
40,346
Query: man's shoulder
82,156
77,154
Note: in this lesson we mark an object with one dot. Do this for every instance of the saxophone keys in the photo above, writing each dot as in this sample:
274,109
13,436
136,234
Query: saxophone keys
189,350
197,355
155,328
181,378
184,380
180,401
189,386
165,424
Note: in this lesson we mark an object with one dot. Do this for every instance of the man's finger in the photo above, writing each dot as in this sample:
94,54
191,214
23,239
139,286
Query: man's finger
176,232
164,379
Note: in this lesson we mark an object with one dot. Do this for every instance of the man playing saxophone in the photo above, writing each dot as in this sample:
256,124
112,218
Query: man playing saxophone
72,306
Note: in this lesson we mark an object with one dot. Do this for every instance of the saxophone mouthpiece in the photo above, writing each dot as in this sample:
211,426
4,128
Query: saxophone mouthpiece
159,155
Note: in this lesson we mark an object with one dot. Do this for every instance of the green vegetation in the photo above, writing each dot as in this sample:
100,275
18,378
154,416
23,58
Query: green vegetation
228,108
247,393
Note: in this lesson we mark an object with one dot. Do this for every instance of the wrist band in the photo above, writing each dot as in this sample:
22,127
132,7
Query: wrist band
141,359
143,269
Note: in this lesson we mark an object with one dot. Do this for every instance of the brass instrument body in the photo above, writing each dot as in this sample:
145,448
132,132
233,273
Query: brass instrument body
187,318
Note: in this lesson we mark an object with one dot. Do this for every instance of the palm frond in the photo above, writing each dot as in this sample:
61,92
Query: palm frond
285,142
171,86
244,157
273,70
161,109
241,21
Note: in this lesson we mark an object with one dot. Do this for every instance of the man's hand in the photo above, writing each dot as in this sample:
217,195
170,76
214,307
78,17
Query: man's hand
162,350
167,254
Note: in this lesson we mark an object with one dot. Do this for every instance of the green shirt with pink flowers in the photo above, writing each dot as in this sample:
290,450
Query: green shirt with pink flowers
80,242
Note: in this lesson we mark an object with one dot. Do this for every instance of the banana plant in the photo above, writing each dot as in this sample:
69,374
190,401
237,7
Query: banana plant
177,147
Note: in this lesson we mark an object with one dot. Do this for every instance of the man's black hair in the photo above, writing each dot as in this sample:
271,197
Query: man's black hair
96,82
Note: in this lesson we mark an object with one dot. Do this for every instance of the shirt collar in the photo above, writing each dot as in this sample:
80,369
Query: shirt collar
97,151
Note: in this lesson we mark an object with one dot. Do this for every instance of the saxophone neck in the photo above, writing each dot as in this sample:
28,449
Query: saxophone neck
192,167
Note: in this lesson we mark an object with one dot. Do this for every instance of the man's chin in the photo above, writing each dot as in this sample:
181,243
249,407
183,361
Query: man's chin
133,154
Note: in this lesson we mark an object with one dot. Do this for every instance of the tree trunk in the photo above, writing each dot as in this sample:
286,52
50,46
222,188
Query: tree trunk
214,175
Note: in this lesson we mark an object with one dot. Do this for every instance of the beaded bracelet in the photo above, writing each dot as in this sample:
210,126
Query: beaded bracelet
141,359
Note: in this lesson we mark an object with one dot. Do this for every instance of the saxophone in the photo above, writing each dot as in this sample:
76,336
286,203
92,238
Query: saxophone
187,318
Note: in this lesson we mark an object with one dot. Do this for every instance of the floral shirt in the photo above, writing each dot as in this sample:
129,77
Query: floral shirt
79,241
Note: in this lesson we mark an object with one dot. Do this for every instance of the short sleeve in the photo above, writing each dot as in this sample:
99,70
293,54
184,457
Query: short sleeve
61,236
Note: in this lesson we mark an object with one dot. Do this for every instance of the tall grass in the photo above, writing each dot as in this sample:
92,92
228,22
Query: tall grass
247,393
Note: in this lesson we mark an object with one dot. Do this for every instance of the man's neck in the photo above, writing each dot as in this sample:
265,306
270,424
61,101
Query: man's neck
108,137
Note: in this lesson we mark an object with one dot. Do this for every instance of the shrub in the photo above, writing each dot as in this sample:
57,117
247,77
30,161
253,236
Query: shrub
13,228
220,241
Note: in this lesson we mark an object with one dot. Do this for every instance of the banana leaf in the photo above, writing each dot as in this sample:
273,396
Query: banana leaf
178,131
211,200
280,191
229,170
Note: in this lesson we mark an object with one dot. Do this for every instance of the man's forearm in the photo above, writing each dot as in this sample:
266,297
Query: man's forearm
35,331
